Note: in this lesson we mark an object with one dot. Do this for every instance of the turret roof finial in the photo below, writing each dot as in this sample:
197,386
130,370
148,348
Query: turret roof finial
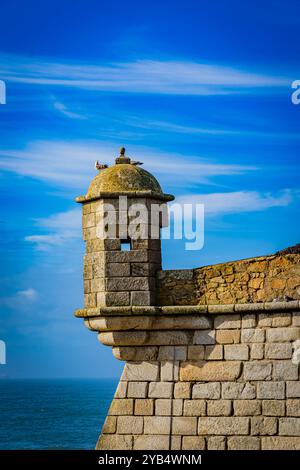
122,157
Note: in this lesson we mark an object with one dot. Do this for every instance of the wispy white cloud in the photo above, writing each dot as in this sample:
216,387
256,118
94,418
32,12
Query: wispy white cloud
72,164
21,300
64,110
218,204
176,128
141,76
28,294
61,227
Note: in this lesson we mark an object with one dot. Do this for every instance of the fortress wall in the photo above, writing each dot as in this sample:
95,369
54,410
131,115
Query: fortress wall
203,377
261,279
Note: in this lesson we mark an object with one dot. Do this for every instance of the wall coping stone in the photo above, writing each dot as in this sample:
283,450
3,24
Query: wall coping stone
189,309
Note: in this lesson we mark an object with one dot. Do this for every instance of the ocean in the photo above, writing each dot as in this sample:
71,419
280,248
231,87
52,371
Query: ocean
53,414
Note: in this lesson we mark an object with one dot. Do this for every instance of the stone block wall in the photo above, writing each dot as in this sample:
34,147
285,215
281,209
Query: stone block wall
260,279
203,377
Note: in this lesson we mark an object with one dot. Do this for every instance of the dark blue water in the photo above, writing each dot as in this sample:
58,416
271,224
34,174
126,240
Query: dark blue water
53,414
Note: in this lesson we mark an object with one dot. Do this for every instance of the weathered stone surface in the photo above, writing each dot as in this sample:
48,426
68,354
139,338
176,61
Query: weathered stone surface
264,320
239,391
243,443
127,353
167,407
182,322
214,352
124,322
184,426
168,337
193,443
227,322
210,371
281,319
236,352
257,351
169,353
144,407
97,284
225,426
285,370
182,390
137,389
90,300
292,408
157,425
228,336
249,320
278,350
158,442
169,371
129,283
216,443
114,442
118,269
247,407
130,425
296,319
279,335
139,371
194,408
160,389
121,406
110,425
263,426
273,407
211,391
204,337
280,443
121,390
175,442
257,370
271,390
140,298
196,353
111,299
123,338
133,256
253,335
289,427
293,389
219,408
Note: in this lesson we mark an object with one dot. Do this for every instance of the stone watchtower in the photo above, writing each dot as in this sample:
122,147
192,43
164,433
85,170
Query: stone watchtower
212,361
123,211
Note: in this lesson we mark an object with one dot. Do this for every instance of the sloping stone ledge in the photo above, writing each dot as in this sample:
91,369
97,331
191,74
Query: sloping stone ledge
131,194
189,309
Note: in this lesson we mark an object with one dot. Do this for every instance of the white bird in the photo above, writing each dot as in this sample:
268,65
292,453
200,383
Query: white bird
100,166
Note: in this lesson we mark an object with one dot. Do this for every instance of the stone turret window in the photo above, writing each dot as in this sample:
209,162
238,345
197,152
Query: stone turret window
125,245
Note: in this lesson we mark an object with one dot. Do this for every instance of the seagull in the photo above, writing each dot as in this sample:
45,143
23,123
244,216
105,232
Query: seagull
133,162
100,166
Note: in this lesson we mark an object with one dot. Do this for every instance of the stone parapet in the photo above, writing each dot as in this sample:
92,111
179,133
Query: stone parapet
260,279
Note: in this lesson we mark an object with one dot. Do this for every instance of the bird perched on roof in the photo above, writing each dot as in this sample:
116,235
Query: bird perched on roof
133,162
100,166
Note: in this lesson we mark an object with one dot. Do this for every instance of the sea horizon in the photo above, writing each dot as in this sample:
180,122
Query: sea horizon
53,413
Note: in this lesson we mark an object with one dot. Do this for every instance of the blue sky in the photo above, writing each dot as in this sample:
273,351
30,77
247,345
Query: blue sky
200,91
